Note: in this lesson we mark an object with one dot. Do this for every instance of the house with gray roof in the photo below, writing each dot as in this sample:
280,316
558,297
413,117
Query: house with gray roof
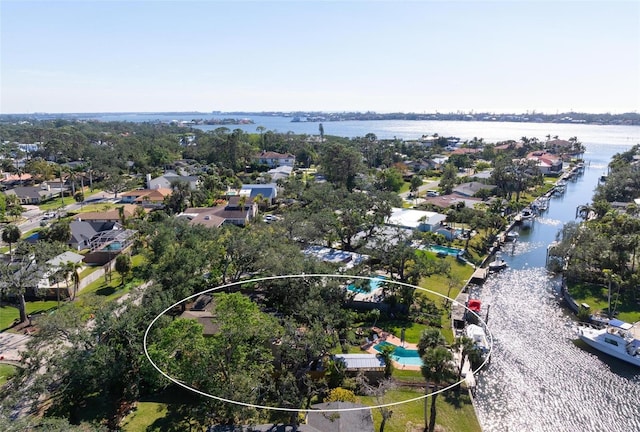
236,212
470,189
83,231
37,194
371,365
268,191
168,178
280,173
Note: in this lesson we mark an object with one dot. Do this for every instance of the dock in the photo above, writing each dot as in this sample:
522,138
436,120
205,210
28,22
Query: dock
480,275
458,311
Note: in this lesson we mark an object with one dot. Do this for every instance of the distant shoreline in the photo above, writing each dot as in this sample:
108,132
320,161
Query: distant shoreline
631,119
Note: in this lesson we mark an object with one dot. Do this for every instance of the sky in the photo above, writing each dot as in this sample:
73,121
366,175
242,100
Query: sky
384,56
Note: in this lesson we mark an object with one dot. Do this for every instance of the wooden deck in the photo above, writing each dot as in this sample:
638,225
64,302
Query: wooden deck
480,275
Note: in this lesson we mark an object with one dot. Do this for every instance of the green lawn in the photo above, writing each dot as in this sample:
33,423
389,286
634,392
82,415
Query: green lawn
160,413
8,313
452,414
55,204
112,289
88,270
596,297
6,372
145,415
100,207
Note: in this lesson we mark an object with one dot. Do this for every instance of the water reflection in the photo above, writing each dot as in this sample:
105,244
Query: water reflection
540,378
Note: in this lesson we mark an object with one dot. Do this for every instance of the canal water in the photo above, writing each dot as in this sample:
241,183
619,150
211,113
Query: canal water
540,378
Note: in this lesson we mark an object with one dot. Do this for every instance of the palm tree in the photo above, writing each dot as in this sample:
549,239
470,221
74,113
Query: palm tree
437,368
467,349
72,269
386,355
11,234
430,338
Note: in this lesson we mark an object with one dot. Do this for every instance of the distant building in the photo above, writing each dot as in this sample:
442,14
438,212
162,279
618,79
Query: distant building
168,178
107,216
275,159
547,163
472,188
280,173
146,197
267,191
37,194
415,219
238,211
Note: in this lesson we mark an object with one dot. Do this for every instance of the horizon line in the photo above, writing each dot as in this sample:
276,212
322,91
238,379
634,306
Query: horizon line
217,112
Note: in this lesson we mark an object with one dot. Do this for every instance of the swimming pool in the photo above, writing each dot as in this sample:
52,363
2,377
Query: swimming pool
374,284
115,246
407,357
445,249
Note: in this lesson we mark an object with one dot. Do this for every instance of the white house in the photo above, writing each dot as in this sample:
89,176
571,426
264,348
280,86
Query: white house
275,159
415,219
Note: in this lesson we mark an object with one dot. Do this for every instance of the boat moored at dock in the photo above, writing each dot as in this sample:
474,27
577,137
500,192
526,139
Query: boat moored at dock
616,339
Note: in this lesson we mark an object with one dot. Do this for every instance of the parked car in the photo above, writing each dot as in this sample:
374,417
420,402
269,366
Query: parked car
433,193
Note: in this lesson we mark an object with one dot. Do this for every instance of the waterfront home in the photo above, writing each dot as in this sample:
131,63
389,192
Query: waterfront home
547,163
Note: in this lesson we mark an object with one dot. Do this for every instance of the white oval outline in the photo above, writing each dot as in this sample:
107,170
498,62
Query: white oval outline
302,410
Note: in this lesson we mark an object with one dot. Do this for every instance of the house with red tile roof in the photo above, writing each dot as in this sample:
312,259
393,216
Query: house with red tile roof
464,150
548,163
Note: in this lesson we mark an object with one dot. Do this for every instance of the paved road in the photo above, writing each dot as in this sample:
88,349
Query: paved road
34,216
422,190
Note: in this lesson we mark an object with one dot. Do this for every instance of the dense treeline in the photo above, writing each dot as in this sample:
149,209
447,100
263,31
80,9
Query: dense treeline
603,249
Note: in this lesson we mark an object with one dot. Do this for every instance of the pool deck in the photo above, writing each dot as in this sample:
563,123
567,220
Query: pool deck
394,340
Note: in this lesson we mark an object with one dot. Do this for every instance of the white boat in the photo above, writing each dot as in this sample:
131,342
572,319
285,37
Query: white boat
540,204
526,217
497,265
616,339
511,236
527,213
478,336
